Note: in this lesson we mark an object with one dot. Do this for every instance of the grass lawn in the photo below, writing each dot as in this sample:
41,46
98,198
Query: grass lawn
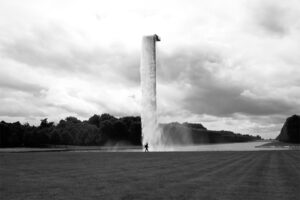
167,175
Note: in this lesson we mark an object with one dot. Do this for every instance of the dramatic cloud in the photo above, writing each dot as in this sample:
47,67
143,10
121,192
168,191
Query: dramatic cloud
227,64
275,17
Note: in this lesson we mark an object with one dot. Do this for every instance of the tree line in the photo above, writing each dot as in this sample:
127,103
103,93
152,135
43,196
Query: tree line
97,130
106,129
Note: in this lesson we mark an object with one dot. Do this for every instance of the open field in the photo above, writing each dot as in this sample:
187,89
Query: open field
135,175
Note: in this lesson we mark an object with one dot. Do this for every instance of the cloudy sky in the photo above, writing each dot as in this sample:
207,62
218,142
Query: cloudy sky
229,64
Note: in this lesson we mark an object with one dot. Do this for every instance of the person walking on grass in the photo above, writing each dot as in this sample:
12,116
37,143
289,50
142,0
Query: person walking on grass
146,147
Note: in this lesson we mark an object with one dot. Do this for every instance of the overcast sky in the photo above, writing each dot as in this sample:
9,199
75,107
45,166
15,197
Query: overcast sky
228,64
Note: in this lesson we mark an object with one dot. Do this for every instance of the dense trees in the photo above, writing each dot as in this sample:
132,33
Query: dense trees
106,129
290,132
98,130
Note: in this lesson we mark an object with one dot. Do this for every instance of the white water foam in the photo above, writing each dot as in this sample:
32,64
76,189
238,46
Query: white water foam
151,133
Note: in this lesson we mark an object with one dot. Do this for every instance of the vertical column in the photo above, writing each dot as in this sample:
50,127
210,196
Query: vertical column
148,84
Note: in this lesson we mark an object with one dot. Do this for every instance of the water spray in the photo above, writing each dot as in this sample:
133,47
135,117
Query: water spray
150,130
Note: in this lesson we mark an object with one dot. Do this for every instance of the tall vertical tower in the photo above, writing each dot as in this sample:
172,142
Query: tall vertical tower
150,131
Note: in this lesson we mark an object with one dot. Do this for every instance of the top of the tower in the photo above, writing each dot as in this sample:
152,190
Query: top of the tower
157,38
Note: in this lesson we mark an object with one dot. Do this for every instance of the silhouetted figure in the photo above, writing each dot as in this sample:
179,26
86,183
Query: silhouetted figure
146,147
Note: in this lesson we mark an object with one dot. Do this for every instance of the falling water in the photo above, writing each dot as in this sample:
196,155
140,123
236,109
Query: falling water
150,130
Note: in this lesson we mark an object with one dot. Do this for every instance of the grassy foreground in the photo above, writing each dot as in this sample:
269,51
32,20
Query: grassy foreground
168,175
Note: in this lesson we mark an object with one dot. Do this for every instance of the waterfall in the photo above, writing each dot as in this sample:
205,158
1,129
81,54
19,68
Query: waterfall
150,130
